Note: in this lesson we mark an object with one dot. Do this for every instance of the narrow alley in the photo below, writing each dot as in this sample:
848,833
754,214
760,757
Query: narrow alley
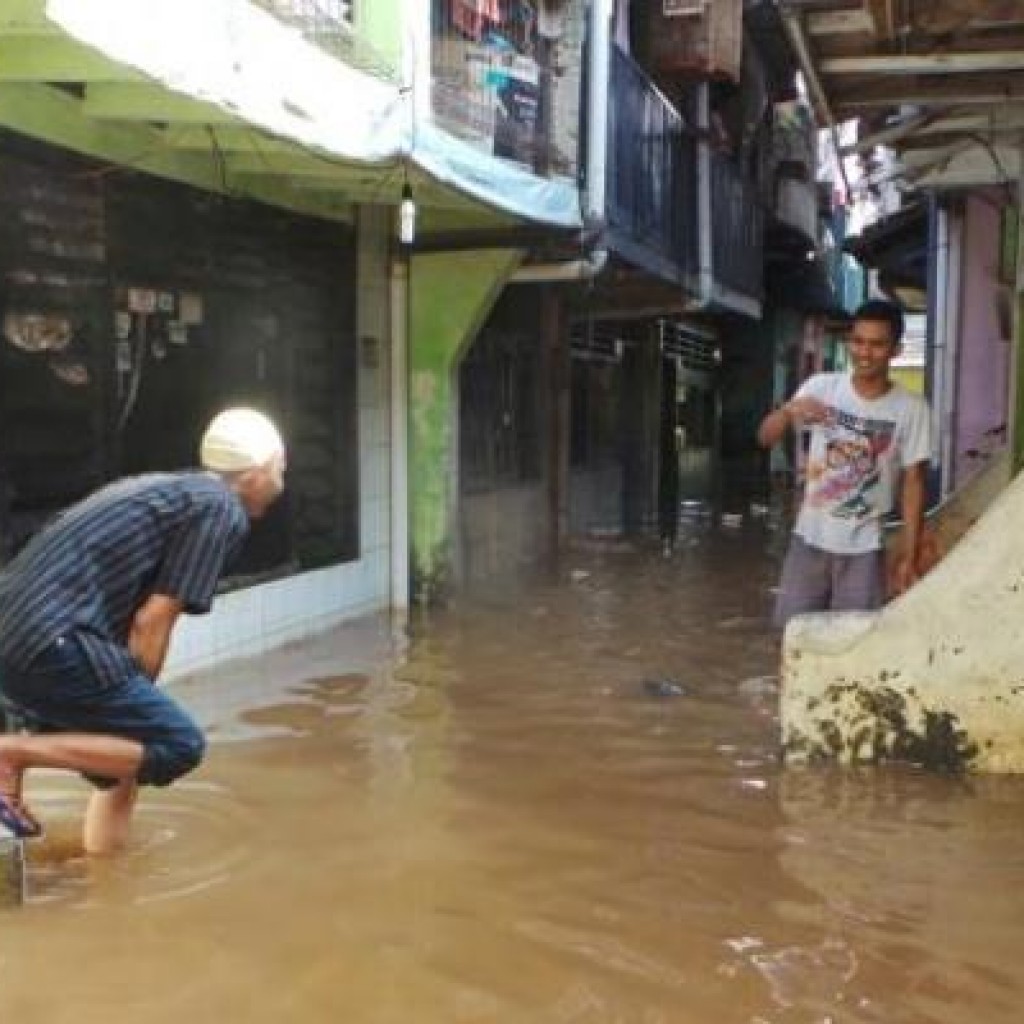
559,803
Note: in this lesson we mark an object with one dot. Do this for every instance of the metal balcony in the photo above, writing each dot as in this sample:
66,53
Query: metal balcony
652,192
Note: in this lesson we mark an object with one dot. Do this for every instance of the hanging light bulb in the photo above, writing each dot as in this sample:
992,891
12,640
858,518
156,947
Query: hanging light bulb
407,216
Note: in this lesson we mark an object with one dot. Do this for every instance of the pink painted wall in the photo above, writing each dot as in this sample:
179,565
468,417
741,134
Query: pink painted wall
984,353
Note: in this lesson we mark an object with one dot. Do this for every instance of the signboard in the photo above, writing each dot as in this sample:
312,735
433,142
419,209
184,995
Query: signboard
681,8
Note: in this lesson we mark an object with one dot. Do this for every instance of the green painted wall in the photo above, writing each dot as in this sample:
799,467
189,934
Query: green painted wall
378,24
450,295
59,118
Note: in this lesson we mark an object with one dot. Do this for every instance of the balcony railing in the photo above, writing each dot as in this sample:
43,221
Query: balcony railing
501,87
737,232
652,194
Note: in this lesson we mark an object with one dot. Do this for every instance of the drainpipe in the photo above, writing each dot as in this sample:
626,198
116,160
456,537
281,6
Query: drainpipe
705,265
1015,403
793,24
399,365
599,76
597,109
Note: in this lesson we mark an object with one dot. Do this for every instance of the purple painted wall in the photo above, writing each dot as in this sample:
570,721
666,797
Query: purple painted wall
984,353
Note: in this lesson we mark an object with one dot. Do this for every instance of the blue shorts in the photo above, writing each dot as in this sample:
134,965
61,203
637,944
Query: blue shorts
60,692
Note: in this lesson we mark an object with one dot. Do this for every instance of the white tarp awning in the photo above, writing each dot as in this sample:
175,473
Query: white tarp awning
241,59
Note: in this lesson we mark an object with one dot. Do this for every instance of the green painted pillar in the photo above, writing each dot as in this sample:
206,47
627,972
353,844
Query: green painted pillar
450,296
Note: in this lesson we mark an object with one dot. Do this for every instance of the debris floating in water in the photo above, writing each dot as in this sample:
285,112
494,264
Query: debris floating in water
760,686
663,688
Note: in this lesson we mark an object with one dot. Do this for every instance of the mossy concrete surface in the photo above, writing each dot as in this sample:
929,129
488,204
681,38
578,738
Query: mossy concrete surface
450,296
936,677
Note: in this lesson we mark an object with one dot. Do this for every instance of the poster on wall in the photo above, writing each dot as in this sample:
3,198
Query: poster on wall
516,104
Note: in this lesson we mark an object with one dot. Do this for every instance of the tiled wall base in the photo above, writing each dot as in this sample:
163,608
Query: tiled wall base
248,623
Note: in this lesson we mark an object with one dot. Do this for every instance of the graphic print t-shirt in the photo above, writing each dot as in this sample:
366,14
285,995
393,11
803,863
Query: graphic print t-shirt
854,462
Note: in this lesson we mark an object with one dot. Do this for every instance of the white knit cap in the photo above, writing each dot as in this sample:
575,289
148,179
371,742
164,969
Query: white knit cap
239,439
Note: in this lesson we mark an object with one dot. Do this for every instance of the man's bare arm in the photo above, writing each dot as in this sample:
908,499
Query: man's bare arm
150,634
774,426
796,412
912,499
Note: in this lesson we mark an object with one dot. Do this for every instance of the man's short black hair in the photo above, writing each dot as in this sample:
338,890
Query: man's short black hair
885,311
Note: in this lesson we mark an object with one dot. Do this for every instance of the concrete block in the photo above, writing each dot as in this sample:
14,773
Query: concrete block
936,677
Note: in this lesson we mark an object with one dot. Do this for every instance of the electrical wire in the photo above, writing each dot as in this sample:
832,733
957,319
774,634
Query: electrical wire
218,155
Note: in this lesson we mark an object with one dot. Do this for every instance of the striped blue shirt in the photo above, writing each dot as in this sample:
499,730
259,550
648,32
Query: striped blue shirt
91,569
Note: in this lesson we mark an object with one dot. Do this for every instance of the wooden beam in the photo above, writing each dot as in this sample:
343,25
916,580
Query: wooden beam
55,59
944,93
975,167
25,17
228,137
883,16
150,103
887,136
306,185
969,16
925,64
56,116
793,26
1004,119
981,136
296,163
385,189
836,23
52,115
917,164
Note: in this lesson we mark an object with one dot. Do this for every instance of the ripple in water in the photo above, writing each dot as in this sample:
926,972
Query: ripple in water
185,841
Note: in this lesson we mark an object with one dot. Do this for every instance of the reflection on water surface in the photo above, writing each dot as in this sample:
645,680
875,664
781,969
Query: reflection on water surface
503,822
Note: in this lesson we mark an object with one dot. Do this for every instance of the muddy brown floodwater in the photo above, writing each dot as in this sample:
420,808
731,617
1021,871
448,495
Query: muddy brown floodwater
507,818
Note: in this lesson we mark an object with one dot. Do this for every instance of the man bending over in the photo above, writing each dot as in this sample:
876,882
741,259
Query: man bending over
86,615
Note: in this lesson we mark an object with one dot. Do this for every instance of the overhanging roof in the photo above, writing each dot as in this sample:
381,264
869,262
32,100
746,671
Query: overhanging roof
221,95
941,83
897,247
804,285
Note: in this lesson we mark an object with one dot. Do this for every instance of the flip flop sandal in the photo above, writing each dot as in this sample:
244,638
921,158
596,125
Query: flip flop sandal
18,822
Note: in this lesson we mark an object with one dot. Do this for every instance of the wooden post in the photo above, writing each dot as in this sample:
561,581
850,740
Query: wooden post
556,369
545,108
1016,362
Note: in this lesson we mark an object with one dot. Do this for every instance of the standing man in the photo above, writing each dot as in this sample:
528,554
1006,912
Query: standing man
868,438
86,614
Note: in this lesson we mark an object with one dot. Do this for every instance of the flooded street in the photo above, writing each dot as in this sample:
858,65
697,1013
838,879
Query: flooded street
559,805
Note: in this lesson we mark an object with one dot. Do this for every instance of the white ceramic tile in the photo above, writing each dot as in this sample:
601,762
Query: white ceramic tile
249,622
